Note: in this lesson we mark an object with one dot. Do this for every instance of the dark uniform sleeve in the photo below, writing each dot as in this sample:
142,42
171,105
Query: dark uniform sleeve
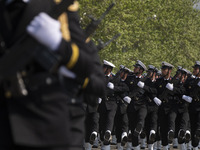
81,56
122,87
179,89
150,88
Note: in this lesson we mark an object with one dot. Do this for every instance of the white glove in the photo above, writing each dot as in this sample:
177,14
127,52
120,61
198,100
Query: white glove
187,98
170,86
127,99
67,73
45,30
110,85
140,84
198,84
157,101
99,100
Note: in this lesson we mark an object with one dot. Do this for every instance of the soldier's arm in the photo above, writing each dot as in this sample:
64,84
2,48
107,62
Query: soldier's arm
80,54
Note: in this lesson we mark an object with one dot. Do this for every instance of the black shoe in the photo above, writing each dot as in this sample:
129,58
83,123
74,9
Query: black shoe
129,137
170,136
124,140
92,138
106,142
107,136
94,146
152,137
187,137
142,135
137,130
181,136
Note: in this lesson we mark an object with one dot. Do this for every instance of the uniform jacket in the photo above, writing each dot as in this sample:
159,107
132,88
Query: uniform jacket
43,117
180,105
151,105
120,91
193,90
137,94
165,95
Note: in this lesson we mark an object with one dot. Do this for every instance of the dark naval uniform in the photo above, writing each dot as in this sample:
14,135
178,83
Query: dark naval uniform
48,116
193,90
121,119
152,109
166,95
179,111
137,109
107,107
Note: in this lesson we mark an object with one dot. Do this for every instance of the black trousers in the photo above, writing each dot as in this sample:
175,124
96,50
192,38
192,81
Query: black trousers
136,116
163,119
183,118
106,120
181,122
121,124
151,121
91,124
195,125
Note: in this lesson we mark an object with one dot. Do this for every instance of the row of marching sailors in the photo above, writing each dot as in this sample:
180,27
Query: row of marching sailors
135,103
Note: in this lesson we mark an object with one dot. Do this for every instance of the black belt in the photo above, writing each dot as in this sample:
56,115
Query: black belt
41,80
69,87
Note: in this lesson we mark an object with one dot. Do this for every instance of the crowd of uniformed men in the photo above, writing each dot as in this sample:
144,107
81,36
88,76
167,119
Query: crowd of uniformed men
154,106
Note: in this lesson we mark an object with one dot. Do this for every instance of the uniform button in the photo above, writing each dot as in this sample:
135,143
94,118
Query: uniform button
48,81
73,100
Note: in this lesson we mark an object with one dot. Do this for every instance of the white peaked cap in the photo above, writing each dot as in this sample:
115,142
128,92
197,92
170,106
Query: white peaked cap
105,62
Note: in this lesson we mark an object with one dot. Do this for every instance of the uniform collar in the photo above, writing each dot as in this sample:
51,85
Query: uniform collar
138,76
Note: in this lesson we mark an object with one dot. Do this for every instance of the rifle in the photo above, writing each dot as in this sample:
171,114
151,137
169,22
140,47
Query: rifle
101,44
90,29
21,54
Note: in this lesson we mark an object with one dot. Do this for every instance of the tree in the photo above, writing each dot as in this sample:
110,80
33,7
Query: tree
151,31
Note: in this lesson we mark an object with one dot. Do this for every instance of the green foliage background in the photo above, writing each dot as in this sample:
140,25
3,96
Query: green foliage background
172,36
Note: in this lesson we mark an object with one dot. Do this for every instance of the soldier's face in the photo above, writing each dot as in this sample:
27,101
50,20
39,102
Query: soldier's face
195,71
164,71
136,69
123,75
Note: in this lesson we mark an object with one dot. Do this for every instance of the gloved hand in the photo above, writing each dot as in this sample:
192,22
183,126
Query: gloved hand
187,98
110,85
140,84
170,86
45,30
198,84
157,101
127,99
67,73
99,100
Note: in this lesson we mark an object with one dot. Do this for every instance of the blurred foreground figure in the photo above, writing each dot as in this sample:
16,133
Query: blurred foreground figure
41,108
